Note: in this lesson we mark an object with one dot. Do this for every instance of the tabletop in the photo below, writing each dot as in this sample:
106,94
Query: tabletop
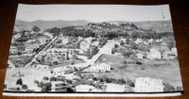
180,20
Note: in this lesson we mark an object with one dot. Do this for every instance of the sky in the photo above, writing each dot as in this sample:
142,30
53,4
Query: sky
93,13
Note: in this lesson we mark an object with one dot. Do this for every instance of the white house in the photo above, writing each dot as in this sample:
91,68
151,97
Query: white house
70,76
140,55
13,50
95,43
86,88
84,45
169,55
43,39
150,40
16,36
174,50
103,67
146,84
111,87
64,39
59,71
67,53
138,40
154,54
42,67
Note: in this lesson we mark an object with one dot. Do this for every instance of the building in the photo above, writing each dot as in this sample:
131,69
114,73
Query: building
169,55
146,84
174,50
66,53
84,45
138,40
102,67
95,43
86,88
64,39
111,87
154,53
140,55
41,67
13,50
43,39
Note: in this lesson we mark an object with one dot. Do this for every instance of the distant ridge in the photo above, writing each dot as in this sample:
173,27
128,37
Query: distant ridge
43,24
158,26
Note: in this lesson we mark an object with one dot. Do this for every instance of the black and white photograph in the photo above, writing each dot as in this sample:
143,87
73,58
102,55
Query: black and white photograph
67,49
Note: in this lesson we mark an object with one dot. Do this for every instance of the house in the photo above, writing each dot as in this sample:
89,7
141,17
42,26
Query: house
158,40
146,84
170,54
70,76
16,36
42,67
111,87
43,39
154,53
59,71
130,61
30,46
54,85
95,43
140,55
138,40
150,40
84,45
13,50
86,88
64,39
174,50
102,67
66,53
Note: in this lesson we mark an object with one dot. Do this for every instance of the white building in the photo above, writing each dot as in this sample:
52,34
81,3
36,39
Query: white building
95,43
103,67
174,50
86,88
169,55
13,50
84,45
138,40
64,39
67,53
146,84
111,87
140,55
41,67
154,54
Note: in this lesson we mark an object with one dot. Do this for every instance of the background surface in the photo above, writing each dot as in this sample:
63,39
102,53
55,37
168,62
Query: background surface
180,19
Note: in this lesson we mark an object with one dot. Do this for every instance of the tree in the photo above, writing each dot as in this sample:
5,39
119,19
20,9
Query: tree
35,28
54,30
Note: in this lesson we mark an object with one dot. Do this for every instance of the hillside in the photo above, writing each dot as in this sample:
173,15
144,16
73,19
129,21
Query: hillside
158,26
24,25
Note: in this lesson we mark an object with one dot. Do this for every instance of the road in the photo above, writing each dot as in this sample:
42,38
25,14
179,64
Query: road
42,50
106,49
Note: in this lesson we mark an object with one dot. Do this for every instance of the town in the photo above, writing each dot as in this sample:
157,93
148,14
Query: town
96,57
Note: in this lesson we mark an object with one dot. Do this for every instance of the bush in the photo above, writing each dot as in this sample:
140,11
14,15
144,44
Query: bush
36,29
24,86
